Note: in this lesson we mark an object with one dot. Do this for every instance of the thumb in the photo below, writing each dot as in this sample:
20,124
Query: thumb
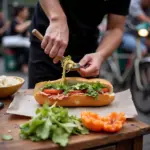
84,60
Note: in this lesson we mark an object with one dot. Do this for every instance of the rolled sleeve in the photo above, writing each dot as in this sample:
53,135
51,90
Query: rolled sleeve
135,8
119,7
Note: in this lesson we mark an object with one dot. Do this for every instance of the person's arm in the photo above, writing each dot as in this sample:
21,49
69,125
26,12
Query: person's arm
22,27
116,20
137,11
4,28
143,18
52,9
113,35
56,37
110,42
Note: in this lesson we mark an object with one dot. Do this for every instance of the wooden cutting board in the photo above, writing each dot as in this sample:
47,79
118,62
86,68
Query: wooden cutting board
9,124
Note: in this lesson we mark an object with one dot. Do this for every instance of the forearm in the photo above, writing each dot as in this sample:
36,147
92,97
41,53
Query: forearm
22,27
113,36
110,42
57,33
52,9
143,18
136,11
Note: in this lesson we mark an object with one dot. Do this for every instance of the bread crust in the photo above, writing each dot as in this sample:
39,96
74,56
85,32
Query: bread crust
76,99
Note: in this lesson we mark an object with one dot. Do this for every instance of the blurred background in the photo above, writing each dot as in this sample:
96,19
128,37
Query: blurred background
128,67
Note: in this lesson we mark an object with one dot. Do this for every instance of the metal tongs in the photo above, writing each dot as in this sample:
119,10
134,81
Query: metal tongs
70,67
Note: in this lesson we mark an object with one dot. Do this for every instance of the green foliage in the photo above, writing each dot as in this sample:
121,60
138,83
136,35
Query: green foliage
52,123
91,89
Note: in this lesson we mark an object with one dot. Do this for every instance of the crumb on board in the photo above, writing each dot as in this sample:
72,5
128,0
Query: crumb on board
9,131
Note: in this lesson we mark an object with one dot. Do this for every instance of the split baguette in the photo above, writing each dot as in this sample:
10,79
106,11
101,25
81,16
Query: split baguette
76,99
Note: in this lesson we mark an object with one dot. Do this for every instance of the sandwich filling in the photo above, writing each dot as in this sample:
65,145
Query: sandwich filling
60,91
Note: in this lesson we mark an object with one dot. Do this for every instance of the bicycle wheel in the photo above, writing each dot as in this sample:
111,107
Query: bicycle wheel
142,98
106,72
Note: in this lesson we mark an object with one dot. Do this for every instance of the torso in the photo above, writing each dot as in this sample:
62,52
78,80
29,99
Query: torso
83,17
13,26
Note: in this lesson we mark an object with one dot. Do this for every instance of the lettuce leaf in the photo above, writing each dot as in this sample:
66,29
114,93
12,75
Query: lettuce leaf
52,123
91,89
60,137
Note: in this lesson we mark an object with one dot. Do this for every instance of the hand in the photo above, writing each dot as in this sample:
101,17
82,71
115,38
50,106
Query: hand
28,23
91,64
56,39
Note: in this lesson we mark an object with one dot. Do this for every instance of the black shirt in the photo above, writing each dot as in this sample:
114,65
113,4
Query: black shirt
83,17
12,30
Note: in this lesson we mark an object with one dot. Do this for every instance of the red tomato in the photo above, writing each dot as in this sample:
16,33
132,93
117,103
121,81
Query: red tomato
75,92
52,91
105,90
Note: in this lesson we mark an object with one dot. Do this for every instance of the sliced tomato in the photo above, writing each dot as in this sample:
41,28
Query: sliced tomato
76,92
52,91
105,90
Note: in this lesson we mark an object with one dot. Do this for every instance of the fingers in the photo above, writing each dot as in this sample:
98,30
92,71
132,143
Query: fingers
48,48
44,42
56,59
55,48
91,71
47,44
89,68
62,49
85,60
60,54
94,74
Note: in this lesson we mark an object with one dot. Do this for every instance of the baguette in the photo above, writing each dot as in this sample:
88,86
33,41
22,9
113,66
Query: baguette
76,99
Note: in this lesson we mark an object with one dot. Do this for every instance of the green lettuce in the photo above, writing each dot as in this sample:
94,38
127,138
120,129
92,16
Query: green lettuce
91,89
52,123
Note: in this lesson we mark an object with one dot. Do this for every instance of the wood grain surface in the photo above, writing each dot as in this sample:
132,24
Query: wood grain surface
132,129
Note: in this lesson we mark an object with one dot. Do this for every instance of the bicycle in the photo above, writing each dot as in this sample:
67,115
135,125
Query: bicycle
136,76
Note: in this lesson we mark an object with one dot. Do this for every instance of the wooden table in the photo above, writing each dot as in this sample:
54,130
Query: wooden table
130,137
